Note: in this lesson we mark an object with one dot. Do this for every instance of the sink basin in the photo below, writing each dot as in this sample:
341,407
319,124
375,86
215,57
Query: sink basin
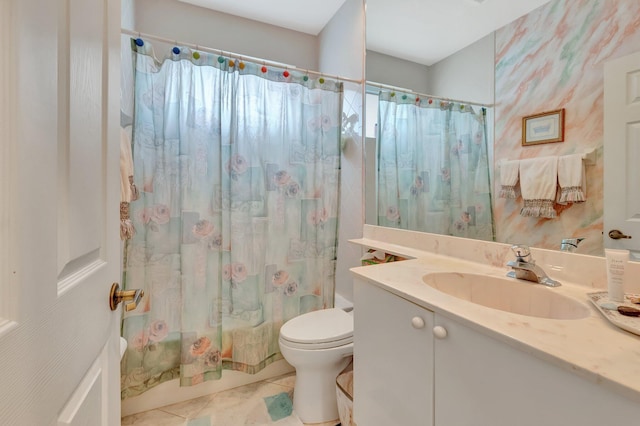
507,294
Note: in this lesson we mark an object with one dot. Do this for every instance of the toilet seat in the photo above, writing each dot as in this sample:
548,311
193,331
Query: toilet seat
324,329
316,346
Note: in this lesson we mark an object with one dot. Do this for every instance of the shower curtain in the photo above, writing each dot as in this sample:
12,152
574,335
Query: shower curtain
238,167
433,172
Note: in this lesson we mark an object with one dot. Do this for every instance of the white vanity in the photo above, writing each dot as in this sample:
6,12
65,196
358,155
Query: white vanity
426,357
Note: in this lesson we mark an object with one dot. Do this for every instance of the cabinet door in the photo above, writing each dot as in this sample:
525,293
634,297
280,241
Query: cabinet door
483,381
393,359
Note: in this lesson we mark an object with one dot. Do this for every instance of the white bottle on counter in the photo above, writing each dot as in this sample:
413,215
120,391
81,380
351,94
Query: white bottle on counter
616,265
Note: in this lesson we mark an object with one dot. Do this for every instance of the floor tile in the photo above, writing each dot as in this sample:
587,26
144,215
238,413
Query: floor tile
287,380
264,403
154,418
243,406
279,406
292,420
188,409
200,421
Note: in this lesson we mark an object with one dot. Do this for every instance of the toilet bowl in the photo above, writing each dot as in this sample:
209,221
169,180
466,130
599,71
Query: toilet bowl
319,345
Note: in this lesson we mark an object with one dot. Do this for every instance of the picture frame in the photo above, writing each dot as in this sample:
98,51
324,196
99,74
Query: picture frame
545,127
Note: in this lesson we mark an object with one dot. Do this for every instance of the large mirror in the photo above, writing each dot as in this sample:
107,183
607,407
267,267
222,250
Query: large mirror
546,56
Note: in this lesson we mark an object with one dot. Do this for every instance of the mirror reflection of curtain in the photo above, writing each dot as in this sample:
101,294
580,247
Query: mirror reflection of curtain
433,168
236,225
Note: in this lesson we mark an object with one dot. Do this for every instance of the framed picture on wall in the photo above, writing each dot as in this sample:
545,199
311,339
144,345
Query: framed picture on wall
545,127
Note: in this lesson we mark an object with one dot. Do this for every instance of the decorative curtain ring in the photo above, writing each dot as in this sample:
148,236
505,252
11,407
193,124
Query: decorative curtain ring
139,42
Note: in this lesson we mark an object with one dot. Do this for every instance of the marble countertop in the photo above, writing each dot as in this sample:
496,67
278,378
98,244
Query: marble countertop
590,347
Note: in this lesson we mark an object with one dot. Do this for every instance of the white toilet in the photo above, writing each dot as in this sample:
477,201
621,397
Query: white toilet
319,345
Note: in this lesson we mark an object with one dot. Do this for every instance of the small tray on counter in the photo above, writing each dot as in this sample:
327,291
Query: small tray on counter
630,324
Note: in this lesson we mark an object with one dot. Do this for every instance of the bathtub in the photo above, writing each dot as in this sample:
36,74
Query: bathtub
170,392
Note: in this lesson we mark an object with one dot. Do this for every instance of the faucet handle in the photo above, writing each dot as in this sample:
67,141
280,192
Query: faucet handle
570,244
522,252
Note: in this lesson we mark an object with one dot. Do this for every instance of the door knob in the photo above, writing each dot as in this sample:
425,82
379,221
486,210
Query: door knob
616,235
131,297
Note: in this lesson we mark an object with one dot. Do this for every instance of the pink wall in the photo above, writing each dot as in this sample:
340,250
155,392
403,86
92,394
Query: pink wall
549,59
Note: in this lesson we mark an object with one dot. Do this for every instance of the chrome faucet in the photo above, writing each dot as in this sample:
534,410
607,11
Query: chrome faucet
525,268
570,244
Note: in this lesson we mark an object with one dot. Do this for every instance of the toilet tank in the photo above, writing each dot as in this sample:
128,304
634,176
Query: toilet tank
343,303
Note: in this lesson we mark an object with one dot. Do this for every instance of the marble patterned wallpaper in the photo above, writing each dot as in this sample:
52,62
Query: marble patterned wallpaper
549,59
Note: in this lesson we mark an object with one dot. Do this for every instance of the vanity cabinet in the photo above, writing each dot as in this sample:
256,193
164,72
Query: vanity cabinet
449,374
393,359
482,381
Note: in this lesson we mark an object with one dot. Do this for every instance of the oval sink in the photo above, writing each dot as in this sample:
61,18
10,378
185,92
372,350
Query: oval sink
507,294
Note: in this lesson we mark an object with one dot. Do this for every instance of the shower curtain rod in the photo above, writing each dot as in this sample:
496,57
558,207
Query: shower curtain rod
235,55
422,95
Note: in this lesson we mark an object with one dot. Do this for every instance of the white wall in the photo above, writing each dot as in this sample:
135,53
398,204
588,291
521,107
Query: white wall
127,14
128,21
341,47
187,23
341,42
397,72
467,75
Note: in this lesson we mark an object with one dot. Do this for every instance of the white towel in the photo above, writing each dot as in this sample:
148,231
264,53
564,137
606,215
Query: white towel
509,178
128,190
126,166
571,178
539,184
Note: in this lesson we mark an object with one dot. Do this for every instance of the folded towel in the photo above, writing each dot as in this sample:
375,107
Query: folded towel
509,178
538,183
128,190
571,179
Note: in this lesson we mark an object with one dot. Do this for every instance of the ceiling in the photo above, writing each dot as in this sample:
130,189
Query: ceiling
306,16
422,31
427,31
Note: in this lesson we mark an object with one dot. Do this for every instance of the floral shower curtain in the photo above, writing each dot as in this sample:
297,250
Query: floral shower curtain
236,226
433,173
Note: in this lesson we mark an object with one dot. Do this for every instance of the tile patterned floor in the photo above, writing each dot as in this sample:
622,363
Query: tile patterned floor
263,403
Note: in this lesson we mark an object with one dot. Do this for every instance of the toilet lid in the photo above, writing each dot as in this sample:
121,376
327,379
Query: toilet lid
327,325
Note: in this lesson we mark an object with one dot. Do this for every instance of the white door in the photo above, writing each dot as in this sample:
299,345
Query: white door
59,204
622,152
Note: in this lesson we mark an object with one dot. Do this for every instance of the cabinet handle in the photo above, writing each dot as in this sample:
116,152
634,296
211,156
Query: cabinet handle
440,332
417,322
